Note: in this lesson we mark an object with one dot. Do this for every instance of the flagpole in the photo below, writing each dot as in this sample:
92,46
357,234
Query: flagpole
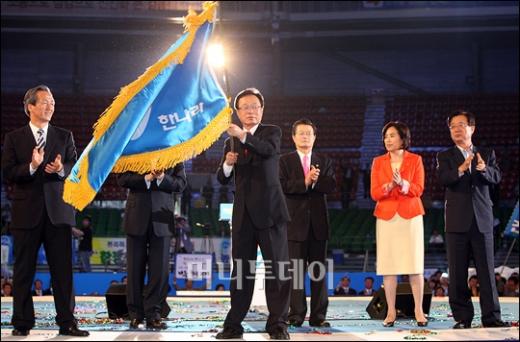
225,77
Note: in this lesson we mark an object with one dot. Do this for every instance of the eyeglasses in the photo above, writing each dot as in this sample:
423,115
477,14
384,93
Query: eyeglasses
252,107
462,125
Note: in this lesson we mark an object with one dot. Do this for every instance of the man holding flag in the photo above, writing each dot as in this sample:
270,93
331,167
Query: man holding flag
260,214
148,225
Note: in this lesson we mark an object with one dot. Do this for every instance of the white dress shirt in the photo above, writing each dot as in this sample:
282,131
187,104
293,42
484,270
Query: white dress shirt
34,130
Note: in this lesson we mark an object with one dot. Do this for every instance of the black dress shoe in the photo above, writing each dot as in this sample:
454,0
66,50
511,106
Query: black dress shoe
134,323
279,334
295,323
73,330
228,333
462,325
20,332
155,324
497,324
322,324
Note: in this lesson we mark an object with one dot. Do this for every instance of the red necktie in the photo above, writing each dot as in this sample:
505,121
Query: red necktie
305,165
246,152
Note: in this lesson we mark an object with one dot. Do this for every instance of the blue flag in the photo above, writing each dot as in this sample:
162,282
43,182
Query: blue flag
512,225
171,113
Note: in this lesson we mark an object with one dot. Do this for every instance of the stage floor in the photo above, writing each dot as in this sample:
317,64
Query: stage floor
202,318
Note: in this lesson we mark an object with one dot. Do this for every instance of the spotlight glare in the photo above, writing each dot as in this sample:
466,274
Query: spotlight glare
215,55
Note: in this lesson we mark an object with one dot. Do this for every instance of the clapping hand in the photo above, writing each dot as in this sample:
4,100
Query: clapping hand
154,174
312,176
388,187
55,166
467,163
396,177
158,174
481,164
37,157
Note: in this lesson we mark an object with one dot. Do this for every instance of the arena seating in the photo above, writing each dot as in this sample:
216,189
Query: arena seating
340,121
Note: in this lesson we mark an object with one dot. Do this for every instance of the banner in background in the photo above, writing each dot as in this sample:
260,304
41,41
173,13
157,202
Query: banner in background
193,266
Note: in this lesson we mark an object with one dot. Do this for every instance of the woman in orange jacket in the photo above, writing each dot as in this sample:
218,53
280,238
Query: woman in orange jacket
397,183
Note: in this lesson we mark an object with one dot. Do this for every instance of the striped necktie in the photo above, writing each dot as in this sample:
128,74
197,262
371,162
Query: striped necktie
40,142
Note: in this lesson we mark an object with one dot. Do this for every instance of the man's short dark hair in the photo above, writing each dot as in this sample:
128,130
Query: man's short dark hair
303,121
469,116
403,131
249,91
371,278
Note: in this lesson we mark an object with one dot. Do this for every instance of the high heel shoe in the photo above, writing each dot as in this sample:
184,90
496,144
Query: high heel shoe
421,323
388,324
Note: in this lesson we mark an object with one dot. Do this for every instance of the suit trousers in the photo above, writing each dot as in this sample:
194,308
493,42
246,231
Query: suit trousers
461,247
57,242
273,244
302,254
142,251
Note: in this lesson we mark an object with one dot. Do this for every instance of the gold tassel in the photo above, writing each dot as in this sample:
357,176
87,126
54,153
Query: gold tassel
79,195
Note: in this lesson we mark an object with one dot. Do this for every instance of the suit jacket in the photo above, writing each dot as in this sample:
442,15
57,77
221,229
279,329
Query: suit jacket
35,193
340,291
47,292
407,206
468,195
256,178
307,207
155,203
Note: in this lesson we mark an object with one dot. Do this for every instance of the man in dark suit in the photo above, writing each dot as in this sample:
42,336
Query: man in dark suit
251,157
307,177
38,289
467,172
343,288
36,160
148,223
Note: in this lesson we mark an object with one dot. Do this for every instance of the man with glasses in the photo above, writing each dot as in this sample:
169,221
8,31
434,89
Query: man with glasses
307,177
36,160
467,172
251,156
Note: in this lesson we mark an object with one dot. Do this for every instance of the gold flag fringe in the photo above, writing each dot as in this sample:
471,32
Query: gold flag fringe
80,194
171,156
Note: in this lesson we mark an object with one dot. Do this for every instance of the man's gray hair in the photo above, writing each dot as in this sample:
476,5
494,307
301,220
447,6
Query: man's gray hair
30,96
